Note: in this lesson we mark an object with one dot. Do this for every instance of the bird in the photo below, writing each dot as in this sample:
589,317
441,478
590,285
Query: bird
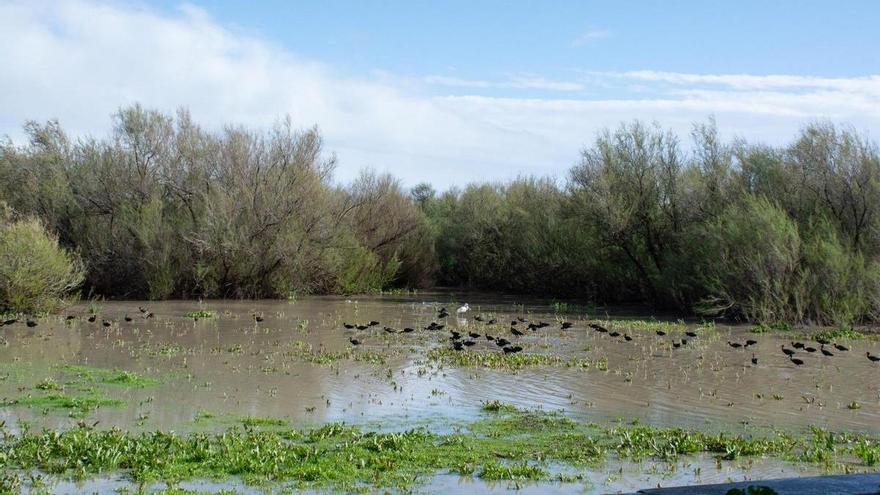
348,325
456,345
93,318
661,333
489,337
258,318
826,351
474,335
566,325
127,318
513,323
455,335
515,332
142,309
106,323
796,361
354,341
31,323
751,342
676,345
463,309
614,334
787,352
502,342
408,330
478,318
873,359
735,345
691,334
684,341
70,317
492,321
469,343
841,347
627,337
598,328
389,330
810,349
362,327
512,349
521,319
754,360
797,345
373,323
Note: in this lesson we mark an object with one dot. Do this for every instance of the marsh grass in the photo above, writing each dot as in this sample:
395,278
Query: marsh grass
109,376
499,360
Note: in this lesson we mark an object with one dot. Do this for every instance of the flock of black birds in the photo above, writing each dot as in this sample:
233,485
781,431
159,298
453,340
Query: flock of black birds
460,341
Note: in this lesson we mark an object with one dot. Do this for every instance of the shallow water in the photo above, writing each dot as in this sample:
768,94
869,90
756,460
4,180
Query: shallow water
213,371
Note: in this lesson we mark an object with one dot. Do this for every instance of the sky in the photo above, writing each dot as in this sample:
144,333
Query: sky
446,92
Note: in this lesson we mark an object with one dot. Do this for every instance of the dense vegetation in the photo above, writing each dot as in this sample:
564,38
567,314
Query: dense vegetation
163,208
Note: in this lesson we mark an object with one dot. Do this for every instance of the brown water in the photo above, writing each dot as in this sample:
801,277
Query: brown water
232,366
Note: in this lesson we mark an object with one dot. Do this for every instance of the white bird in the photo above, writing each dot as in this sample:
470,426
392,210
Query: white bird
463,309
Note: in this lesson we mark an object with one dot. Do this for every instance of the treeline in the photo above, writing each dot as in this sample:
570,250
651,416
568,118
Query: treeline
162,208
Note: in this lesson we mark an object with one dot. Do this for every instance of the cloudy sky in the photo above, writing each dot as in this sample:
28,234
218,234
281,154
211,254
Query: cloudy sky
449,91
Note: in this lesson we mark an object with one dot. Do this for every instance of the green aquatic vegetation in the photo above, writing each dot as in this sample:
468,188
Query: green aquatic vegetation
832,335
196,315
48,384
651,325
485,359
110,376
514,445
79,405
304,351
498,406
262,421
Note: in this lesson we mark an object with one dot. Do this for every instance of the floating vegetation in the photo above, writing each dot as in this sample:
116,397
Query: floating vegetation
304,351
652,325
112,377
518,446
486,359
196,315
832,335
79,405
498,406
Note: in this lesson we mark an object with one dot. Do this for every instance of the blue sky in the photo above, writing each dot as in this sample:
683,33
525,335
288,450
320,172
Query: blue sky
453,91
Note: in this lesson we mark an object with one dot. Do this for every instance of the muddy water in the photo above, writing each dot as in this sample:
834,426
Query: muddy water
232,366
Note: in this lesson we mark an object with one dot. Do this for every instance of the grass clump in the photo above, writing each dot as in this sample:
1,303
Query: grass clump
843,333
498,406
79,405
202,313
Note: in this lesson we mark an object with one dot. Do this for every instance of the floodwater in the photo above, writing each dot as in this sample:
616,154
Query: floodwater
232,366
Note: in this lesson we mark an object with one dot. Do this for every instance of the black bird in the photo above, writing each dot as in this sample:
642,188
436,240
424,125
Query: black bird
492,321
92,318
408,330
150,315
512,349
501,342
796,361
142,309
566,325
599,328
826,351
735,345
439,327
684,341
523,320
751,342
70,317
543,324
787,352
455,335
515,332
797,345
478,318
258,318
389,330
841,348
661,333
469,343
31,323
354,341
489,337
532,327
348,325
676,345
474,335
513,323
691,334
374,323
810,349
873,359
627,337
614,334
754,360
457,346
105,323
127,318
362,327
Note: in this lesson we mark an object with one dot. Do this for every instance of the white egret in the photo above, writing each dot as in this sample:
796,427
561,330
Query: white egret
464,309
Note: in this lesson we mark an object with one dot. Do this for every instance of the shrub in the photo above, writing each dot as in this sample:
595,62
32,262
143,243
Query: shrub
35,273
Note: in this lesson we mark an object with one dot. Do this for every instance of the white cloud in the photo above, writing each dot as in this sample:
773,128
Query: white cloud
79,61
590,36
